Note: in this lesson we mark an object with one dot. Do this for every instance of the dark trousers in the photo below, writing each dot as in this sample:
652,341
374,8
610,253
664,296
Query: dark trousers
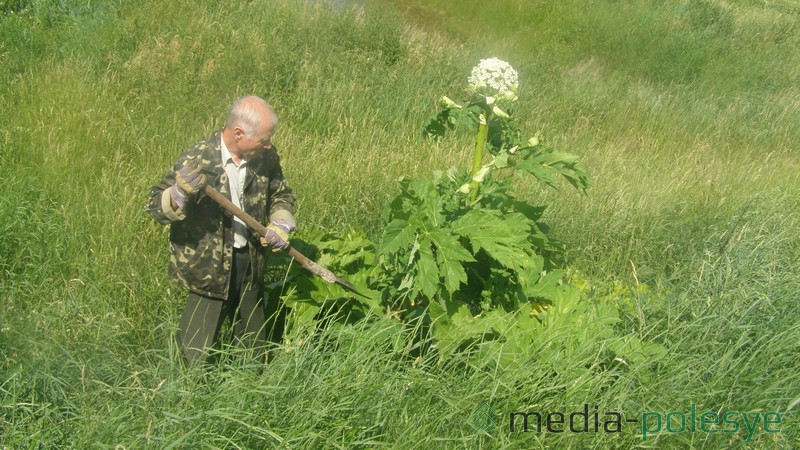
203,317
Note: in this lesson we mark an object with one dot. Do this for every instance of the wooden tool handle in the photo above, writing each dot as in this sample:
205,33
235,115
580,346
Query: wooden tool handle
257,226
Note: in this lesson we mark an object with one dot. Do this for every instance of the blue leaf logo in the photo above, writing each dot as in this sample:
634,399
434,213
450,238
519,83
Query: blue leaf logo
483,418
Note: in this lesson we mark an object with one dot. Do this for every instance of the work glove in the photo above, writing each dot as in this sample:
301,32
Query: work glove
277,235
188,182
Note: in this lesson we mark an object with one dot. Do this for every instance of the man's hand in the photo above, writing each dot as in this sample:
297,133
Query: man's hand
277,235
188,182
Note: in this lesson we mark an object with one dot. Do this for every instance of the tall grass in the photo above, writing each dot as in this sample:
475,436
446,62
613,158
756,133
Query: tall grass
686,113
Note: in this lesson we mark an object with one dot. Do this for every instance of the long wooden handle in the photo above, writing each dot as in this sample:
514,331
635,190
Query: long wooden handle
235,210
312,266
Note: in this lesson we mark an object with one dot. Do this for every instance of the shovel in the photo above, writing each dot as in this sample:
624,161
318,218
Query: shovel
312,267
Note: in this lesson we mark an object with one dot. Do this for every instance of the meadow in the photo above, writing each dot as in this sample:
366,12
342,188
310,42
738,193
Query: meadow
686,114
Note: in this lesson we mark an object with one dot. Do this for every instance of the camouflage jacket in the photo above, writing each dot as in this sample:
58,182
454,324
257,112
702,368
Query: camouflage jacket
201,234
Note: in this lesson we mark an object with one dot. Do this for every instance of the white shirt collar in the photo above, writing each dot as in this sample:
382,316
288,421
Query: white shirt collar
226,154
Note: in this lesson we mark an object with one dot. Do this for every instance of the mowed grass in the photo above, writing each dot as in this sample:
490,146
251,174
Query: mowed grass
686,113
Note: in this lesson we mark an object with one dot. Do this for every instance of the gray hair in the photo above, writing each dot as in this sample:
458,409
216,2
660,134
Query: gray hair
245,113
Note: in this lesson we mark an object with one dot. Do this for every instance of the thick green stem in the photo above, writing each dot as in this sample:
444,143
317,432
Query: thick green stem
477,159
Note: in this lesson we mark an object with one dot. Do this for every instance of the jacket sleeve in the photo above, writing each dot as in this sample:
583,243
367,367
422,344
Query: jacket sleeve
159,204
282,199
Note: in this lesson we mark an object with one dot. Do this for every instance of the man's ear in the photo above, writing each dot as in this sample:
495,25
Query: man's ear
238,133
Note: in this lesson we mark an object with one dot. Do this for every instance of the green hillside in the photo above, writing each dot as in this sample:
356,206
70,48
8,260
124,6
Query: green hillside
685,113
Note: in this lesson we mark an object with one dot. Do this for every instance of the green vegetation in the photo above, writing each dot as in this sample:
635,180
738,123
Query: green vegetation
685,113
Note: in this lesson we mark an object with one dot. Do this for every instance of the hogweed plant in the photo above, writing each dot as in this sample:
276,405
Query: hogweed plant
459,248
459,252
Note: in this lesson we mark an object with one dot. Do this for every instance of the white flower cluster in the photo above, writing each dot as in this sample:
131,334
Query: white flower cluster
494,78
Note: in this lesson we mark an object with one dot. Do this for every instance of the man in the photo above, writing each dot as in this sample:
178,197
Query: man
213,254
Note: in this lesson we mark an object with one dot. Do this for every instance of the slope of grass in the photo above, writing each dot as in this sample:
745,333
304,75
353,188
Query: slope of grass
686,113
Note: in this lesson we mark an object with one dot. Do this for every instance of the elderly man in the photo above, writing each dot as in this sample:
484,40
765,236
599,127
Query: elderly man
213,254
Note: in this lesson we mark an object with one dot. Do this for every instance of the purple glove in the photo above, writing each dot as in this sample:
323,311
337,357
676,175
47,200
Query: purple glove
278,234
188,182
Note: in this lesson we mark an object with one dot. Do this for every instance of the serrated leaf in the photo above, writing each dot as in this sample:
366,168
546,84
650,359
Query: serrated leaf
450,255
548,165
427,204
544,173
398,234
504,239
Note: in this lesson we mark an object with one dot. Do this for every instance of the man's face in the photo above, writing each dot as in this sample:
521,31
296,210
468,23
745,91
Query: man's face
261,140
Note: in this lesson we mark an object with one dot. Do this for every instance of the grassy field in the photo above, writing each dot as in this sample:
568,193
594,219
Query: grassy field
686,113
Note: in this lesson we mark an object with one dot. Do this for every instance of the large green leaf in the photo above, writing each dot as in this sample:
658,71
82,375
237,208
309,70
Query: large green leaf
426,270
503,238
398,234
427,207
547,165
450,255
547,287
546,174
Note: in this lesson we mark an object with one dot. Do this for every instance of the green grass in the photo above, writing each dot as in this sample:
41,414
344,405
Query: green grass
686,113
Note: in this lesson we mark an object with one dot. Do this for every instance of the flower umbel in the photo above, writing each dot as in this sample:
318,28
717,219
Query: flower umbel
494,78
